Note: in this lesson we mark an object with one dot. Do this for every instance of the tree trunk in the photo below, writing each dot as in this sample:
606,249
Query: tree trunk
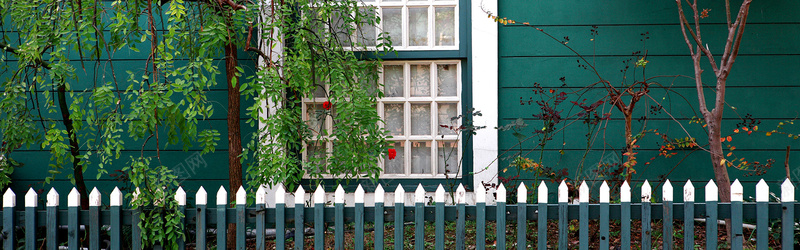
234,134
628,145
77,168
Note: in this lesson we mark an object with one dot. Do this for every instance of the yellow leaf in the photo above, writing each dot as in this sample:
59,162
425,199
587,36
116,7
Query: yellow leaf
736,130
755,128
722,162
769,133
729,154
733,148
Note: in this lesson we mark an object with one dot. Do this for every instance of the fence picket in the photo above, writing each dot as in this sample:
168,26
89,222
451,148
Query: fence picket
688,215
541,222
666,197
625,215
762,210
399,224
787,218
563,198
261,205
201,201
52,219
280,219
522,212
180,198
379,197
647,194
359,218
461,201
222,223
480,220
500,226
604,200
30,219
73,229
712,196
439,217
319,218
94,219
9,205
583,198
241,204
419,218
299,215
737,196
136,231
339,218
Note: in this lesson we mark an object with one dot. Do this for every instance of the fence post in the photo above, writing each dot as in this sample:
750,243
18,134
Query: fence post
359,220
299,215
339,218
52,219
737,197
480,221
439,217
261,211
222,222
180,198
625,215
688,215
73,229
604,201
399,202
647,194
461,201
667,195
201,201
9,202
712,196
319,217
30,219
522,212
94,219
583,198
280,220
542,220
762,210
787,221
241,204
419,218
136,231
500,228
379,225
563,198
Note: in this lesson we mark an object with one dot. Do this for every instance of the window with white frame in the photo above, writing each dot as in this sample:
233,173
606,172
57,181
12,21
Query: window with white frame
420,100
415,25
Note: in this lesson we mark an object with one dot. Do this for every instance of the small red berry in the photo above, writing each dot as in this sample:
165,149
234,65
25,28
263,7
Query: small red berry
392,154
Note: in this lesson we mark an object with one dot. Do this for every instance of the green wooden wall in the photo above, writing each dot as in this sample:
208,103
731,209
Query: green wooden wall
765,82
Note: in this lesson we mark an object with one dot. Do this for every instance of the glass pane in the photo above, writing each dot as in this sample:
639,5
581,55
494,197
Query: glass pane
393,24
446,80
445,26
446,112
317,156
396,165
393,80
315,119
394,118
447,157
341,28
367,32
420,119
319,91
418,26
421,80
421,157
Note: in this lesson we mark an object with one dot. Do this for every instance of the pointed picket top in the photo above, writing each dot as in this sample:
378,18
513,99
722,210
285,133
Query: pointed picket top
583,193
73,198
688,192
647,191
625,192
542,193
439,196
31,198
52,198
222,196
605,191
787,191
261,195
299,195
712,192
480,194
737,191
667,193
95,199
241,196
180,196
762,191
461,194
280,194
338,195
501,193
359,194
380,194
563,192
201,198
399,195
419,194
522,193
115,199
9,199
319,195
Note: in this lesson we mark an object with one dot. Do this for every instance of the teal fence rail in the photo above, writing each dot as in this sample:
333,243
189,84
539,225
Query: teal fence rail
55,228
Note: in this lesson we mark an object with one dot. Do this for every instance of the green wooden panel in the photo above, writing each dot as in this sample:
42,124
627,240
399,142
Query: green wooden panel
787,224
688,224
30,228
736,225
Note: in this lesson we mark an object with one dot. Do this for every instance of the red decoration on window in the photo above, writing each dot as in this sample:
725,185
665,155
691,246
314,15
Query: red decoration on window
326,105
392,154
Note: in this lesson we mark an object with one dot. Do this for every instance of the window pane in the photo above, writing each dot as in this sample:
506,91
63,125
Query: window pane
446,112
393,24
418,26
420,119
367,32
421,157
446,80
421,80
396,165
448,157
315,119
341,28
317,156
394,118
445,26
393,80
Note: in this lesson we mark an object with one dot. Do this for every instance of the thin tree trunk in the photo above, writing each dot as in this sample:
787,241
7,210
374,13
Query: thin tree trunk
74,149
234,134
628,144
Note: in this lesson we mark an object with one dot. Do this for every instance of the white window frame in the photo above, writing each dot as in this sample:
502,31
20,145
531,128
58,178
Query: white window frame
404,45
